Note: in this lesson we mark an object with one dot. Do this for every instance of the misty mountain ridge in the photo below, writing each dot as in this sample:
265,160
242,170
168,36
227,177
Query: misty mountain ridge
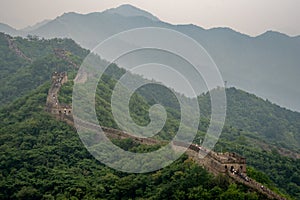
266,65
35,26
128,10
9,30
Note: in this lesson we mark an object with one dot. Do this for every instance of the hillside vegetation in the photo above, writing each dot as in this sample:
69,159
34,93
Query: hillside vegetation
278,171
266,121
44,158
18,76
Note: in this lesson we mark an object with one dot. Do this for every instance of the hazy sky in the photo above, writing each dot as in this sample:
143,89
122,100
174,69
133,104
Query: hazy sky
252,17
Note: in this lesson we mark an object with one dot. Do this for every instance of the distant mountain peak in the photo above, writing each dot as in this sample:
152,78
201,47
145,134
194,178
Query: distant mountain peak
8,29
128,10
271,33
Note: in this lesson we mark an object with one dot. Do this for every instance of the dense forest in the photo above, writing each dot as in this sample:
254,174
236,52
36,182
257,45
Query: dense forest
266,121
42,158
19,75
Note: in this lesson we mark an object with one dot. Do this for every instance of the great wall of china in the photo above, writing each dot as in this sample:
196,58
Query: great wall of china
13,46
229,164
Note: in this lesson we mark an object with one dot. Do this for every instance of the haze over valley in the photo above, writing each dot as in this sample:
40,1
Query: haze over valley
266,65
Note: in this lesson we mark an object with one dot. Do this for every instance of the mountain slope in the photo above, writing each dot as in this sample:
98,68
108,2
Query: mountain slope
4,28
266,121
42,158
266,65
30,138
20,75
35,26
273,123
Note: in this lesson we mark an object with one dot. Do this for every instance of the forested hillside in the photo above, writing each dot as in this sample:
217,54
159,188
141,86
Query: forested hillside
278,171
44,158
20,74
266,121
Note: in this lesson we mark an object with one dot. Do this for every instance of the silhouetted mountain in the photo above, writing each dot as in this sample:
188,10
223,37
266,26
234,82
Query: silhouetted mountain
266,65
36,26
131,11
4,28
